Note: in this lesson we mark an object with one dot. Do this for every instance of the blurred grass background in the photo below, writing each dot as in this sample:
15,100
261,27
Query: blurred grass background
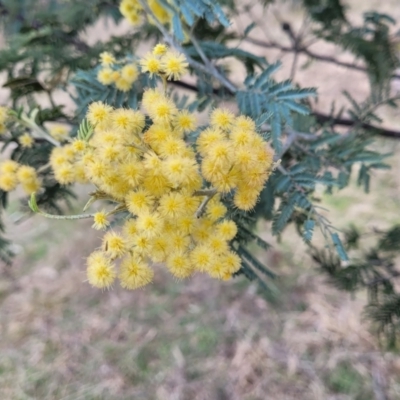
198,339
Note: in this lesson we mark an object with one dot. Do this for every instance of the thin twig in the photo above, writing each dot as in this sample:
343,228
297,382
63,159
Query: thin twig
67,217
40,133
210,66
321,118
205,192
289,141
311,54
44,167
209,195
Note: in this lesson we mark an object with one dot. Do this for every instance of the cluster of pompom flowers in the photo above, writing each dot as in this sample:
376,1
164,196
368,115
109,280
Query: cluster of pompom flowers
12,174
132,11
171,190
162,61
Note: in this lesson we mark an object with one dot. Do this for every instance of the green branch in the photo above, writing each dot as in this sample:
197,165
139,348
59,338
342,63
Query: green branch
34,207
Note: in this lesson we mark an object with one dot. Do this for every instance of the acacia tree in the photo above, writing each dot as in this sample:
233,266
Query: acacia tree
133,136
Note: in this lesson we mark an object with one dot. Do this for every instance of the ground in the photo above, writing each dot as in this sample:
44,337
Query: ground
196,339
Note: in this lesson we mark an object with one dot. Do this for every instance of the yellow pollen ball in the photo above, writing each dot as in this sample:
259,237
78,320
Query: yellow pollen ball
134,273
215,210
31,186
207,138
107,58
128,121
160,49
99,113
245,123
151,64
132,172
172,147
26,140
8,182
142,244
156,183
130,73
59,132
185,122
123,85
133,18
64,174
231,261
100,220
4,114
100,272
171,205
130,228
79,145
138,201
178,241
159,11
129,8
114,244
179,265
174,65
227,229
246,199
26,174
222,118
162,110
115,76
150,97
150,224
9,166
202,257
105,76
159,248
217,244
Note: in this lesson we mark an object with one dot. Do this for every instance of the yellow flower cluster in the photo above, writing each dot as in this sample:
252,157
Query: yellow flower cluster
164,62
3,119
132,10
235,157
59,132
175,216
174,193
113,73
67,164
13,173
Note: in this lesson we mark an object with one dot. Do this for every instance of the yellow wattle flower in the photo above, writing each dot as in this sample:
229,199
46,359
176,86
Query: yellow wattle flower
151,64
100,272
174,65
107,59
114,245
105,76
179,265
134,273
26,140
160,49
100,220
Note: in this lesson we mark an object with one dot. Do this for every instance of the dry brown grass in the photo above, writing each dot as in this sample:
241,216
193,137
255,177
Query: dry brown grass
61,339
